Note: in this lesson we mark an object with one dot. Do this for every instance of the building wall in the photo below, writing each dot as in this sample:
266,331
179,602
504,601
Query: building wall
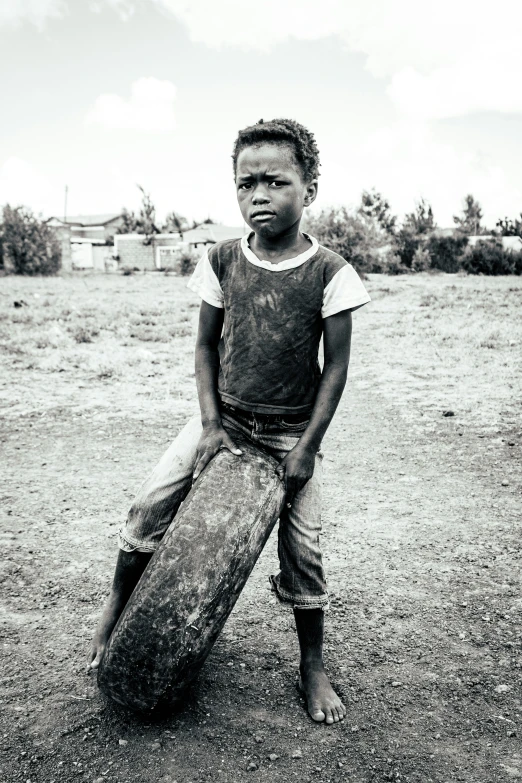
133,253
63,235
101,258
81,255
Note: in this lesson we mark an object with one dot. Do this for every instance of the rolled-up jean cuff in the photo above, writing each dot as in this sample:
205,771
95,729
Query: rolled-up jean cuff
291,602
128,544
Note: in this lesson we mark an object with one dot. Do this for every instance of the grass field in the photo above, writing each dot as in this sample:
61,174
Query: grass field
421,538
426,341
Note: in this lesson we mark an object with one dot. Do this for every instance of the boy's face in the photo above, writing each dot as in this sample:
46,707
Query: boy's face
271,191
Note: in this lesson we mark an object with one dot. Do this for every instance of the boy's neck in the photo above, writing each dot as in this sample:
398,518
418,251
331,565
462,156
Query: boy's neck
280,248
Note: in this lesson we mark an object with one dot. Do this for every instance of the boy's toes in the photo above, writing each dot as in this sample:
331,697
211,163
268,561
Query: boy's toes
96,656
330,716
317,714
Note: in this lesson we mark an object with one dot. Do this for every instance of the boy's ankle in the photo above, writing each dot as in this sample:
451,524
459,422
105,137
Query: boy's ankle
311,663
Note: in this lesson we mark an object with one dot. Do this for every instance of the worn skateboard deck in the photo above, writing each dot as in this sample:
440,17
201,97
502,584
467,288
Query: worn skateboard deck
193,580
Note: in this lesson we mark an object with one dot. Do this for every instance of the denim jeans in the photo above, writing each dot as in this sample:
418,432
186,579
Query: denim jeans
301,580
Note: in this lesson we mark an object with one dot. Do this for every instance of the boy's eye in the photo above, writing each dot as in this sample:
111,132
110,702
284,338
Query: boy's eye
277,184
245,186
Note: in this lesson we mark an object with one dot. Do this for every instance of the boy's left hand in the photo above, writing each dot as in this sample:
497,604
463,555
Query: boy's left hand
295,470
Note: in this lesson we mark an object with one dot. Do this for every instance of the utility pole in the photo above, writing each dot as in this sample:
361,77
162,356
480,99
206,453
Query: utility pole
65,205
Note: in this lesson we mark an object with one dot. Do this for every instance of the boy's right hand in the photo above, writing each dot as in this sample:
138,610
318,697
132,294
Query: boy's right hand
213,439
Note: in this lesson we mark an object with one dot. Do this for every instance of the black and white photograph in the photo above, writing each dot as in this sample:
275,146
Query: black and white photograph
260,391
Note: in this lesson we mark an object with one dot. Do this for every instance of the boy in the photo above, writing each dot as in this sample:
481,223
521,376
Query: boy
266,301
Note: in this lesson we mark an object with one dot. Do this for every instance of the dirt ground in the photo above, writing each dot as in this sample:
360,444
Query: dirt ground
421,542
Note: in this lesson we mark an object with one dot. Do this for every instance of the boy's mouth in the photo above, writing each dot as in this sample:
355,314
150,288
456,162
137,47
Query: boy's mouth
262,214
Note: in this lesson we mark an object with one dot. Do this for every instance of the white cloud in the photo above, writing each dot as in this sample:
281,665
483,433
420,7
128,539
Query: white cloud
441,59
37,12
14,12
125,8
467,86
149,108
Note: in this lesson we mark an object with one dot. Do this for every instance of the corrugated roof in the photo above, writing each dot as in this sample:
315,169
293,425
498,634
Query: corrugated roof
212,232
87,220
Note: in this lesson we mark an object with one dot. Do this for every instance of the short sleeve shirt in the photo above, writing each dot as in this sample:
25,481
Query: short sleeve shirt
273,321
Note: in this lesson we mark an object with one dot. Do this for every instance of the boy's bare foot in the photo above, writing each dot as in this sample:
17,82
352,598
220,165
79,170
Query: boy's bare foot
96,654
107,622
129,568
322,702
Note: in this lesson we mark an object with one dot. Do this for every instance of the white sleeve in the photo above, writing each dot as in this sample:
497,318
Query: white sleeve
204,282
345,291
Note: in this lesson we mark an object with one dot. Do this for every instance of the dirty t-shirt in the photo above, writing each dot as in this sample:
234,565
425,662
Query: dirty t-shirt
273,321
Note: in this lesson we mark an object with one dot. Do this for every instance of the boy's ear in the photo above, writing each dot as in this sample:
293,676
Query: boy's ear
311,192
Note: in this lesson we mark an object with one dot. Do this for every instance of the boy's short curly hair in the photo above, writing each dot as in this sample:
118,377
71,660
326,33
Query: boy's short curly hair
282,131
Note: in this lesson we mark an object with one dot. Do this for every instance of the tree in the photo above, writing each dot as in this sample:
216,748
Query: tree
509,228
147,218
421,221
28,244
355,237
415,229
375,207
130,222
468,223
144,222
174,223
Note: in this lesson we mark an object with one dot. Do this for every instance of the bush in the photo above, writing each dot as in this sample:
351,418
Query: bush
358,239
488,257
395,266
407,245
187,262
29,246
446,252
385,261
421,260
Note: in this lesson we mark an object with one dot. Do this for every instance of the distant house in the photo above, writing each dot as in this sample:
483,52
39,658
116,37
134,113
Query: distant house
165,250
162,252
210,233
99,227
84,239
444,232
514,244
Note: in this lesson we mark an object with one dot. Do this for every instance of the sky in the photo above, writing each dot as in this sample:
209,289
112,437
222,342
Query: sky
414,101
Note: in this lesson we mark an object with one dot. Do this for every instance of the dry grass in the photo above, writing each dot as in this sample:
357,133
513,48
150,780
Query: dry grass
439,342
427,342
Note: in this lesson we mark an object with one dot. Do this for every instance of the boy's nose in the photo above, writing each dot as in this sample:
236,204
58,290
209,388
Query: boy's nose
260,196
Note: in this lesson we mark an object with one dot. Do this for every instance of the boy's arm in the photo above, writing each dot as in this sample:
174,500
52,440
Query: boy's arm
214,436
298,465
